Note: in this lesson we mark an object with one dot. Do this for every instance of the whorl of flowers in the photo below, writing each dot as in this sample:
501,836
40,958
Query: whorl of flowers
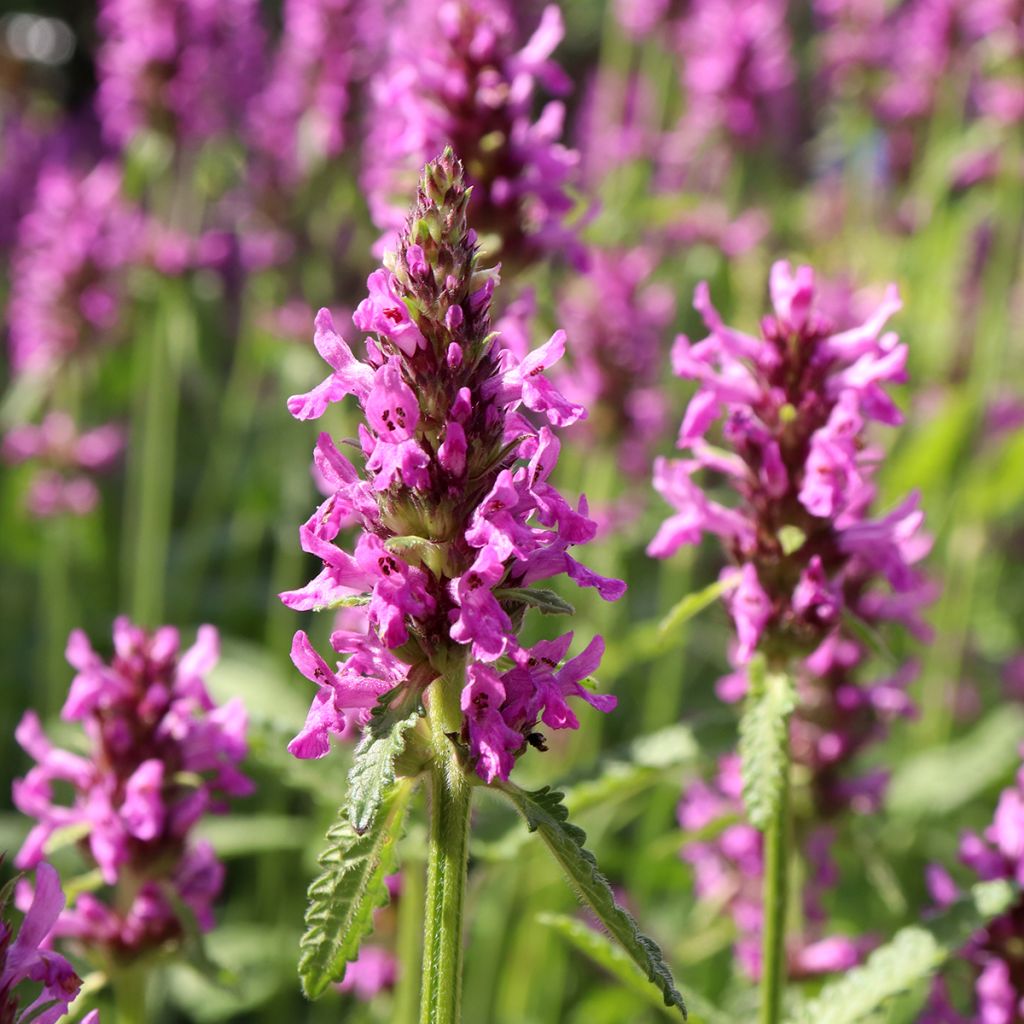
64,459
994,954
795,403
456,508
67,268
616,317
161,755
729,872
298,119
185,68
737,63
454,77
22,960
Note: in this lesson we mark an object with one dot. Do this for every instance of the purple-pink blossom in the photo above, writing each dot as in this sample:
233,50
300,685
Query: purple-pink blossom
24,958
465,73
68,266
453,498
160,756
186,68
793,405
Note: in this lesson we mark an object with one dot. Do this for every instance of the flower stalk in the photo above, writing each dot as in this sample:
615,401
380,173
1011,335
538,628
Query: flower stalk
777,852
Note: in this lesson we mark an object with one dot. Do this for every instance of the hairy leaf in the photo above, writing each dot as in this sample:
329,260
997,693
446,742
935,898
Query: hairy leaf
373,765
599,948
546,601
693,604
764,740
545,814
350,887
912,956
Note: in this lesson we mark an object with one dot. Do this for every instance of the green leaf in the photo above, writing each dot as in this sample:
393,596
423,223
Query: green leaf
764,740
911,957
351,601
791,538
693,604
545,814
938,782
546,601
351,886
419,550
599,948
373,765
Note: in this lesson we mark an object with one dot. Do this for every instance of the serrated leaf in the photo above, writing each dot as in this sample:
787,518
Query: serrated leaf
764,740
351,886
373,765
911,957
546,815
693,604
547,602
599,948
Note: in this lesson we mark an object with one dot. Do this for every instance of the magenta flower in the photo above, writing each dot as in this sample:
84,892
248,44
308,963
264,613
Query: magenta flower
457,512
454,76
728,874
64,460
794,404
162,755
186,68
68,266
616,317
22,959
993,954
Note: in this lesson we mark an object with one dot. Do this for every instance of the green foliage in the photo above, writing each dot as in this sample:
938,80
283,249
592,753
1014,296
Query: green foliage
545,814
383,740
913,955
599,948
545,601
350,887
693,604
764,740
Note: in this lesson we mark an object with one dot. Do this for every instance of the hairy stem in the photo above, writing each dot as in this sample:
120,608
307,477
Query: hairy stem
447,863
776,878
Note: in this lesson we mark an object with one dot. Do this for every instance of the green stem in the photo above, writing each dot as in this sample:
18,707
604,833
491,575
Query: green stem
409,942
151,468
447,864
129,986
776,879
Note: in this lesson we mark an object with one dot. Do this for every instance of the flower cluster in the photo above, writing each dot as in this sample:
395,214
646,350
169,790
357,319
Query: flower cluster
64,458
298,118
67,268
186,68
994,954
616,317
162,755
22,959
453,77
796,402
457,511
729,871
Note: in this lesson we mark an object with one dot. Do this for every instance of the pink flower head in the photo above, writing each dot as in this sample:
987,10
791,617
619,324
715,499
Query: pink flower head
454,499
161,755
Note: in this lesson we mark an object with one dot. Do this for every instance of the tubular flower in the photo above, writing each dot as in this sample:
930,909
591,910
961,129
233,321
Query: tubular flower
22,959
994,953
298,119
162,755
457,512
795,403
729,870
616,317
186,68
66,271
455,78
65,458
